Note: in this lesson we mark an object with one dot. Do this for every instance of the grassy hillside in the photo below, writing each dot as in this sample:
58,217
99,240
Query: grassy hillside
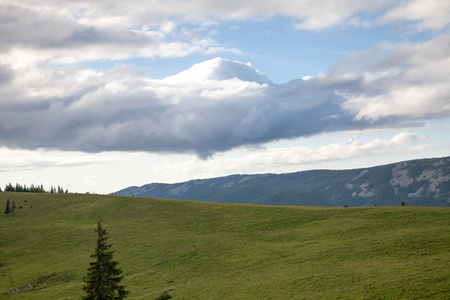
200,250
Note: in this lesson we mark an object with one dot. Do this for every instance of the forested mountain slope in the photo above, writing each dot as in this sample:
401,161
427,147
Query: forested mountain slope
423,182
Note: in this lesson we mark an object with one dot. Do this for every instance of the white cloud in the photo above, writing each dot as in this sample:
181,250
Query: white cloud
403,142
24,160
411,101
318,15
220,104
214,106
91,178
426,15
219,69
275,158
119,110
167,27
74,31
404,80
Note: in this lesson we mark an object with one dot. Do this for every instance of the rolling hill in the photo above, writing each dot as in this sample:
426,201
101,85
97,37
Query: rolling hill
202,250
424,182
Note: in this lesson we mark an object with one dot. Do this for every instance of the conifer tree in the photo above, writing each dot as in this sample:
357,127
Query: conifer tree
9,188
8,207
103,278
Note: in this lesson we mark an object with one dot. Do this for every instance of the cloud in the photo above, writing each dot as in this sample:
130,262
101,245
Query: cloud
403,80
425,15
91,178
220,104
119,110
404,142
73,31
270,159
25,160
219,69
66,33
318,15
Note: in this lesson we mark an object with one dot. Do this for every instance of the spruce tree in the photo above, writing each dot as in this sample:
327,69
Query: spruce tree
8,207
103,279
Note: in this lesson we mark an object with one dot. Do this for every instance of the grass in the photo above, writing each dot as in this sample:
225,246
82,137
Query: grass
200,250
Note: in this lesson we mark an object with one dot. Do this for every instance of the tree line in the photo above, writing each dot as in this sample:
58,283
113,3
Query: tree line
33,189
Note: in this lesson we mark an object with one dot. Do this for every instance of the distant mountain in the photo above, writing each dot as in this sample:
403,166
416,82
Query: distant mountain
423,182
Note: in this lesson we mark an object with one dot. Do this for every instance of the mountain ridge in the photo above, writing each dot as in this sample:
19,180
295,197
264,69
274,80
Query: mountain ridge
420,182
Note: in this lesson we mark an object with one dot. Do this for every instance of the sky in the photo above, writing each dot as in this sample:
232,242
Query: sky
100,95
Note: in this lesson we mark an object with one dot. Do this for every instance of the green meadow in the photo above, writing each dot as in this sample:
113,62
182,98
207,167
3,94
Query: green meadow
201,250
